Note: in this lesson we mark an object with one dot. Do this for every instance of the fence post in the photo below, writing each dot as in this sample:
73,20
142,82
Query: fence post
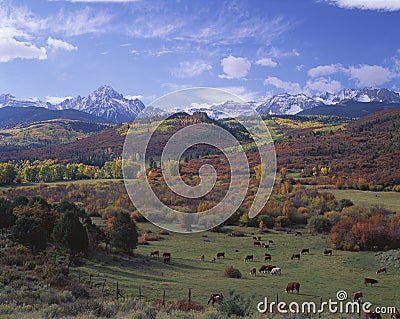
190,295
163,298
104,286
90,281
320,305
140,293
277,298
117,290
359,307
79,275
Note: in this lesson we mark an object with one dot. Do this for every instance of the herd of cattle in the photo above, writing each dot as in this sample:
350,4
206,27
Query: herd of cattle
274,270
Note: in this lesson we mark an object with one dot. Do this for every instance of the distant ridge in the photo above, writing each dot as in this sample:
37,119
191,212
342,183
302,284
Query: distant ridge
12,116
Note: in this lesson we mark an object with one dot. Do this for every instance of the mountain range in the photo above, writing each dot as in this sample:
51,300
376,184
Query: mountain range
108,104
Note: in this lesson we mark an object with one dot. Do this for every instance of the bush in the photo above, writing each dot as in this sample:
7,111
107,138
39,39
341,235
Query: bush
29,232
320,224
232,272
30,265
78,291
235,305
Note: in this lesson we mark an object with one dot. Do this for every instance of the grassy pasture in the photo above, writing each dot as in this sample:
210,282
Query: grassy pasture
388,200
318,275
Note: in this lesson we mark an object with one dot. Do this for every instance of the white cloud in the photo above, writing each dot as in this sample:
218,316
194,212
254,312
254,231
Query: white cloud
60,44
135,52
81,22
244,93
235,68
322,85
370,75
288,87
380,5
188,69
12,49
323,70
266,62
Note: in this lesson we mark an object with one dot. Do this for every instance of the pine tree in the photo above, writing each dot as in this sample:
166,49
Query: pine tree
124,233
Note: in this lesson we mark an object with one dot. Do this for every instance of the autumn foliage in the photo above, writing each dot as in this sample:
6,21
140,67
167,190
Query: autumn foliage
358,232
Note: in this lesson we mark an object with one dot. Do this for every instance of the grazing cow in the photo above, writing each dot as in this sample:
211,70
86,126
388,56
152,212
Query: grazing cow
254,237
276,271
395,314
305,250
370,281
357,296
327,252
296,256
248,258
221,255
154,253
373,315
267,257
270,241
257,243
291,286
166,255
215,298
266,268
381,269
167,259
259,238
213,260
265,245
253,271
299,233
202,258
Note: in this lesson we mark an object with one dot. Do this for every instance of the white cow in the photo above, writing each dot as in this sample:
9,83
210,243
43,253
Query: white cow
276,271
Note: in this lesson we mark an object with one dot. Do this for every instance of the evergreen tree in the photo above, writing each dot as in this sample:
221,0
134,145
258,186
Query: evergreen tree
70,233
28,232
124,232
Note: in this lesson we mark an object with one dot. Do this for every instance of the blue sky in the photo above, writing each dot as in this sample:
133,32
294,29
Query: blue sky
253,48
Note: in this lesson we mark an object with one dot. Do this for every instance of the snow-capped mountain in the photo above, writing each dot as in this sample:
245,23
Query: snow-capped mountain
287,104
104,102
363,95
12,101
293,104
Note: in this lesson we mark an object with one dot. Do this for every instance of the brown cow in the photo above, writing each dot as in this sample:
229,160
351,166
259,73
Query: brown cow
254,237
166,255
291,286
213,260
167,259
154,253
373,315
381,269
248,258
221,255
202,258
259,238
327,252
296,256
357,296
266,268
257,243
305,250
265,245
298,233
370,281
253,271
215,298
267,257
270,241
